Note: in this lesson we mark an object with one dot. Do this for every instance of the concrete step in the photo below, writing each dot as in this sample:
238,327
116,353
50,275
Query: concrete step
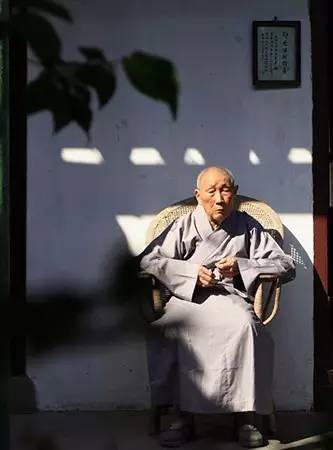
128,430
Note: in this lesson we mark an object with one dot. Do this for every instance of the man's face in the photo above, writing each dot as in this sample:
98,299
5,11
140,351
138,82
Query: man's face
215,194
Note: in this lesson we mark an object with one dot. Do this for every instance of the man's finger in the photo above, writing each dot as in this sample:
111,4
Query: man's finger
206,273
229,273
205,270
206,283
223,265
207,277
223,260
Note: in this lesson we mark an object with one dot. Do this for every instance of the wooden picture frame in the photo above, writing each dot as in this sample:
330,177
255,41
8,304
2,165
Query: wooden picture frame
276,54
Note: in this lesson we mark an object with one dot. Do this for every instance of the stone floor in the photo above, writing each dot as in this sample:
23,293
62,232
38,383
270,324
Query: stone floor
122,430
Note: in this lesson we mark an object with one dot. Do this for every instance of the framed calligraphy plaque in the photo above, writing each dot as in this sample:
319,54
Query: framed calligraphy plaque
276,54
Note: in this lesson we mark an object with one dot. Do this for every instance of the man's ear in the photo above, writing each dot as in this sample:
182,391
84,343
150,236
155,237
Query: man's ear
235,189
197,195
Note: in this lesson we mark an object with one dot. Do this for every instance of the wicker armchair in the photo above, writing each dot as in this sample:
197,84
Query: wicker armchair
265,308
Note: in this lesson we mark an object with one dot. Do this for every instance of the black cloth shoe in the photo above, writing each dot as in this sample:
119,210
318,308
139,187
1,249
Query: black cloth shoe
179,432
249,436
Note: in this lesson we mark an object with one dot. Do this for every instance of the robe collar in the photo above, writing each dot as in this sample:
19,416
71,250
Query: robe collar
203,225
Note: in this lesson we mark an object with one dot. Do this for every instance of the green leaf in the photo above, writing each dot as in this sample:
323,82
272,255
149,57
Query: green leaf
101,78
66,101
67,71
37,94
154,77
46,6
40,35
61,113
92,54
46,93
82,114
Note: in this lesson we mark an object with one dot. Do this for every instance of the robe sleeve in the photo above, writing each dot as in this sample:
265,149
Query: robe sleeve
265,257
163,258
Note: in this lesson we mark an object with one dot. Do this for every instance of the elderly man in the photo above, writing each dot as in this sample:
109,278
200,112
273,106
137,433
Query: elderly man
215,355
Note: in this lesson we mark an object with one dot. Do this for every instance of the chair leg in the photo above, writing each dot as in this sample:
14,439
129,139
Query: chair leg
155,420
156,416
235,426
270,425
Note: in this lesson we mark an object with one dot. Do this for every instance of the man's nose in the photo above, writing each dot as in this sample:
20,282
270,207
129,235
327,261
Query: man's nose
218,197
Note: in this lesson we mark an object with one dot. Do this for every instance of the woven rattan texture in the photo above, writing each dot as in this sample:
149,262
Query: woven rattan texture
259,210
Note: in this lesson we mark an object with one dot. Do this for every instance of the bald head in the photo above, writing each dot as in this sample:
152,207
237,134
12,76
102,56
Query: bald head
212,169
215,192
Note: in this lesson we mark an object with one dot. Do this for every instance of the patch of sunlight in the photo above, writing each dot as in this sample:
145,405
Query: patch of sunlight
82,155
134,229
300,156
146,156
193,157
301,226
319,441
254,158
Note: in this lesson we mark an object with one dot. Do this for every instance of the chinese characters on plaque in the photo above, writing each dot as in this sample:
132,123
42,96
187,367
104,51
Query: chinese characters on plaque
276,54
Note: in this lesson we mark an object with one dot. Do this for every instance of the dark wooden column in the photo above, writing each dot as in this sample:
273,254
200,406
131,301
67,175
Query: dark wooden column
18,192
322,95
4,236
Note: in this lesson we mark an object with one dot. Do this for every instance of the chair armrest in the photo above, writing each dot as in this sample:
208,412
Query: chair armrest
268,277
144,275
260,304
152,309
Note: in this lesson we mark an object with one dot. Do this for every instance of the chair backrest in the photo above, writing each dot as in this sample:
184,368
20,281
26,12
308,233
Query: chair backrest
259,210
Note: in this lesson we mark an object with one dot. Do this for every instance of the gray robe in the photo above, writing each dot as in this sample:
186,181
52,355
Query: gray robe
209,352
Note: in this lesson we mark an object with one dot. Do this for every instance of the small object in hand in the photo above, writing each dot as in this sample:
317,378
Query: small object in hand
217,275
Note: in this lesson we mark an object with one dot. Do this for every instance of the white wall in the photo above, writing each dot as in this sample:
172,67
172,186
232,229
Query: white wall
78,213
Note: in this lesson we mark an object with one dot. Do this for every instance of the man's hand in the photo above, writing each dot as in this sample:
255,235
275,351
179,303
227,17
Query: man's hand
228,267
205,277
